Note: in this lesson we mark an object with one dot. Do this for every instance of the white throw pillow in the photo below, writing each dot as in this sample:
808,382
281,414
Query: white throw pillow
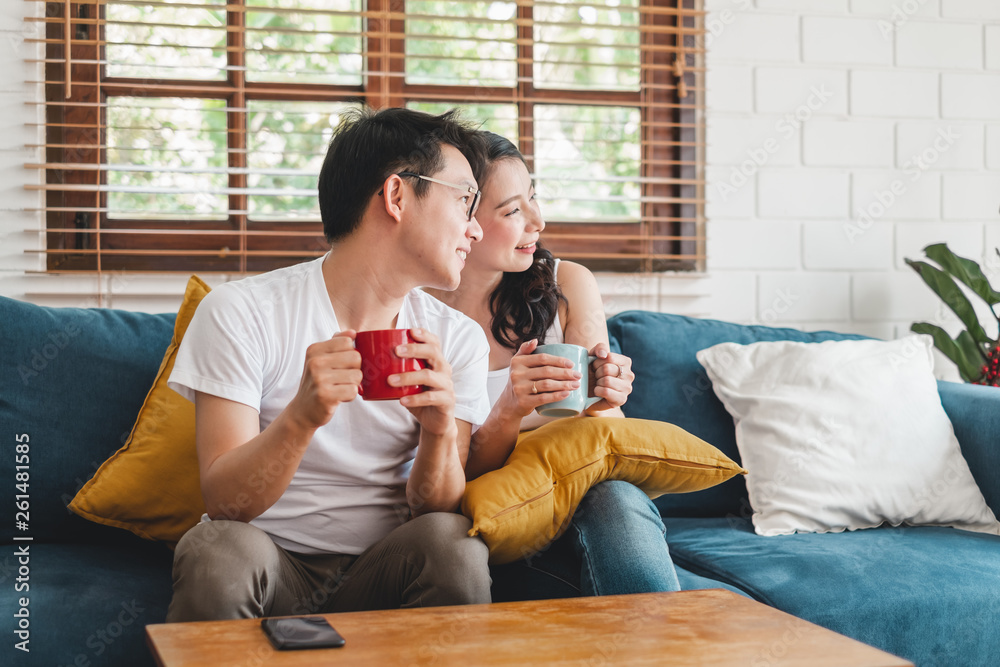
845,435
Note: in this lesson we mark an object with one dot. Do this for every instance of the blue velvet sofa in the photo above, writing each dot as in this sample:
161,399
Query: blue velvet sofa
72,382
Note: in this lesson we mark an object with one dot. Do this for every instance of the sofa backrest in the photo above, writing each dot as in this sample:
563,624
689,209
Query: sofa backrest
974,411
72,381
671,386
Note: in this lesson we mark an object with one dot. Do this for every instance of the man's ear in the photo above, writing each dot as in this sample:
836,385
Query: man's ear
394,197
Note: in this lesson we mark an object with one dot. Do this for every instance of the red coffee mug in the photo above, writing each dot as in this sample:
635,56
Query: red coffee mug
379,361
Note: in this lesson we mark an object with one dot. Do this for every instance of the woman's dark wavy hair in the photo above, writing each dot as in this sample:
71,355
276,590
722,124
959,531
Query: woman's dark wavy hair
525,303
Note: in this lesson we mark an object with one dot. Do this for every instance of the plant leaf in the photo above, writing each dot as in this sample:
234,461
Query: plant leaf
969,369
949,291
973,351
964,270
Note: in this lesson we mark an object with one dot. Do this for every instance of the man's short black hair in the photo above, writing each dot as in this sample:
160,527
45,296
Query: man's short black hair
369,146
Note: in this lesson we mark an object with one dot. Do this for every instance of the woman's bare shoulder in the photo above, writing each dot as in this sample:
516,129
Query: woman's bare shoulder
574,278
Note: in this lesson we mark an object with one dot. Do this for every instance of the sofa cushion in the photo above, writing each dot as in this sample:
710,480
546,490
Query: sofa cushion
89,604
520,508
151,485
845,435
671,386
929,594
72,380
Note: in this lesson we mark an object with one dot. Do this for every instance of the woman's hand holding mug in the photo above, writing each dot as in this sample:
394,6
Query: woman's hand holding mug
612,379
539,379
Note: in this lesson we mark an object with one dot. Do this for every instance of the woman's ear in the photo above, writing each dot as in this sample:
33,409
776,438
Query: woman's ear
393,197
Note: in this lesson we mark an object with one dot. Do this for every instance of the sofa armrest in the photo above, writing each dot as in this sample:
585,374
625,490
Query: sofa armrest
974,411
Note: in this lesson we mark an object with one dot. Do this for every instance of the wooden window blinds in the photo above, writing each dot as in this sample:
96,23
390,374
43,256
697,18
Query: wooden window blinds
187,135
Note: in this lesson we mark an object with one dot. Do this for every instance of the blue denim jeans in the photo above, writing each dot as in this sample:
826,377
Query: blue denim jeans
614,544
621,542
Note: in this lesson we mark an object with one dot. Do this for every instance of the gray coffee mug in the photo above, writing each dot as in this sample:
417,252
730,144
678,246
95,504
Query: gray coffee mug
577,401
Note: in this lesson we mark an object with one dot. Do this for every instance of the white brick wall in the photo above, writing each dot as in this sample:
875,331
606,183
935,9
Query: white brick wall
761,140
939,45
965,239
814,296
890,10
785,89
810,6
898,295
732,88
731,292
847,143
739,40
753,245
903,152
836,246
971,9
970,95
844,40
894,94
802,193
992,264
907,194
993,146
971,195
993,47
943,145
731,193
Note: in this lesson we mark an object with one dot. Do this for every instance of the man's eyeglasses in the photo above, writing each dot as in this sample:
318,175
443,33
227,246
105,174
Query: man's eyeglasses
476,194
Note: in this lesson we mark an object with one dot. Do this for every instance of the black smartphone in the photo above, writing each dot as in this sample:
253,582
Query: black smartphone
301,632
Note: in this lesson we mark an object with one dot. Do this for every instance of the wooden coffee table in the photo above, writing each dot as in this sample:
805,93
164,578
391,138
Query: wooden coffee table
706,627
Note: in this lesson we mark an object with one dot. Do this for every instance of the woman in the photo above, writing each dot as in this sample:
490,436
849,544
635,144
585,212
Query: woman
522,298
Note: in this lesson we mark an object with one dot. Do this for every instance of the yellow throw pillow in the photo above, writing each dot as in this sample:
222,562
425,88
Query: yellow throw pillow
151,485
522,507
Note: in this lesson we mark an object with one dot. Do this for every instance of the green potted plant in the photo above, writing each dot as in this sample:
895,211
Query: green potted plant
976,355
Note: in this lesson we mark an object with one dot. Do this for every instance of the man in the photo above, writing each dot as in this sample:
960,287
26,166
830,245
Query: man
320,501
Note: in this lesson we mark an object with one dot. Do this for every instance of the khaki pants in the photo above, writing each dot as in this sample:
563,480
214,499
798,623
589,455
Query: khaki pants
230,569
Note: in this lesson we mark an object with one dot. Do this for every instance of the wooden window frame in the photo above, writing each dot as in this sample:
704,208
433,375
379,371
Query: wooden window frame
80,237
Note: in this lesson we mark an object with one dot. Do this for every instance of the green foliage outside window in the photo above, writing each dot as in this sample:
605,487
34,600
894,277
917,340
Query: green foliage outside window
161,156
587,157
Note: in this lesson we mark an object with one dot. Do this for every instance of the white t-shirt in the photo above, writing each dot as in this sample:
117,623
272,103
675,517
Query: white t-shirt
247,343
496,381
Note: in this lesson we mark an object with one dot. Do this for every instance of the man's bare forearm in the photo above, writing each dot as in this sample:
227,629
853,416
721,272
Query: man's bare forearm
437,479
494,441
242,483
